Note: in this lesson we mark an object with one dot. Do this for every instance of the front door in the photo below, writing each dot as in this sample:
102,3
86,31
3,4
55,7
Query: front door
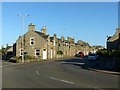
44,54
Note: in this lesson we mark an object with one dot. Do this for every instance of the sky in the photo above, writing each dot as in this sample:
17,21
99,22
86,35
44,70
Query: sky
91,22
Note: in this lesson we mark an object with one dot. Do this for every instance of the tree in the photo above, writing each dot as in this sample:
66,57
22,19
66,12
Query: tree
59,52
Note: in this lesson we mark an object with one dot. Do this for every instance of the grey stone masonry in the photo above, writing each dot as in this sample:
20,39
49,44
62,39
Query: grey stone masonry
39,44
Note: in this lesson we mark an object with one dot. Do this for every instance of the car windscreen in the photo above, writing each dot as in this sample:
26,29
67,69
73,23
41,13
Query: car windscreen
92,54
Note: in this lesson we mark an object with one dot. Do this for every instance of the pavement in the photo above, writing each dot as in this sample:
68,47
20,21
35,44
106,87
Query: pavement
104,71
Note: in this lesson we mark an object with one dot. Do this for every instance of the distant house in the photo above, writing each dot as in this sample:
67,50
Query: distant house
113,42
84,47
7,52
9,49
97,47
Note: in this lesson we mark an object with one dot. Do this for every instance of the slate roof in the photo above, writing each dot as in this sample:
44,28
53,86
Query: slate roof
8,47
114,37
42,34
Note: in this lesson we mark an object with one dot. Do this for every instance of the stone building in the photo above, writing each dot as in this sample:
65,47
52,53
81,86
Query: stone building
38,44
33,43
97,47
9,48
83,46
113,42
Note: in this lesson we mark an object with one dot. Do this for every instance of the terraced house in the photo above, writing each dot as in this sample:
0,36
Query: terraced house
39,44
113,42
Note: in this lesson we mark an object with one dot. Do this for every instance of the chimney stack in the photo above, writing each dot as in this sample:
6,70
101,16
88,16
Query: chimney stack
43,30
31,27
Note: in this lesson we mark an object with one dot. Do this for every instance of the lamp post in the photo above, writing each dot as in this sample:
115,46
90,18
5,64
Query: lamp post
22,15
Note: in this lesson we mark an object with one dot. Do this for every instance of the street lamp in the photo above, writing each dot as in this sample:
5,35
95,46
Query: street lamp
22,15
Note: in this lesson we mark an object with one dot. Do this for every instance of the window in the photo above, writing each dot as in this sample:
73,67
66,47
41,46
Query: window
44,49
37,52
25,53
21,52
32,41
66,44
58,44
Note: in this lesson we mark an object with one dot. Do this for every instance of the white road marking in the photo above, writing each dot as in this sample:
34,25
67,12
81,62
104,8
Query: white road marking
98,88
6,65
72,63
61,80
37,72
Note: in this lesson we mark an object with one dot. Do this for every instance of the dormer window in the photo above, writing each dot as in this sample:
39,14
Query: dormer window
32,41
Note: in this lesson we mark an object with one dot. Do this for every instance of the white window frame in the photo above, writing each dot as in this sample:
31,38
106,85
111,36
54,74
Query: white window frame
33,40
66,44
36,52
21,52
54,43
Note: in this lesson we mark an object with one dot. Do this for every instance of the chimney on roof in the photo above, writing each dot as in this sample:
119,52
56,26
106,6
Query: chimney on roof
118,30
62,38
69,38
43,30
31,27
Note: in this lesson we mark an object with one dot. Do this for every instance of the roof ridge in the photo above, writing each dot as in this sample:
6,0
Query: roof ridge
42,34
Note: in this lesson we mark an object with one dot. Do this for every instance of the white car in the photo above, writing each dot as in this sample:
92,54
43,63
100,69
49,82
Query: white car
92,56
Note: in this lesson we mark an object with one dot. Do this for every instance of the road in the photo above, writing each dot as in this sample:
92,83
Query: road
55,74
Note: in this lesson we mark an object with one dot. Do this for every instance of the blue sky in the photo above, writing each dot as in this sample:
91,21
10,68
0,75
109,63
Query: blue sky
90,22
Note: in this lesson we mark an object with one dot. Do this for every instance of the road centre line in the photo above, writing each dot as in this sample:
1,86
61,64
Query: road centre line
61,80
37,72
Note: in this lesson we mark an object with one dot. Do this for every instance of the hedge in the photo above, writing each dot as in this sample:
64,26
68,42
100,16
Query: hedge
105,52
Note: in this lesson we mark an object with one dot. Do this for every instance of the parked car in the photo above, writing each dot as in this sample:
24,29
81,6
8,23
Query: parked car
79,54
92,56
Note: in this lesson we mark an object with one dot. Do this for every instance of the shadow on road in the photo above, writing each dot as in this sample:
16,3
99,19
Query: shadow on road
84,63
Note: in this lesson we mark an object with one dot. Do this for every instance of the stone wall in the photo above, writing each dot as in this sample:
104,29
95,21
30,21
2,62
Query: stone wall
108,63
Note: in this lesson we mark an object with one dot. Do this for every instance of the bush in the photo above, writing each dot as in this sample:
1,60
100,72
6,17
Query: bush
26,57
115,53
15,58
105,52
59,52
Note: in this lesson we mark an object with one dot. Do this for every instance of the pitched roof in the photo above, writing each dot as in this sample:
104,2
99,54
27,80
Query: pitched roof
114,37
42,34
8,47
